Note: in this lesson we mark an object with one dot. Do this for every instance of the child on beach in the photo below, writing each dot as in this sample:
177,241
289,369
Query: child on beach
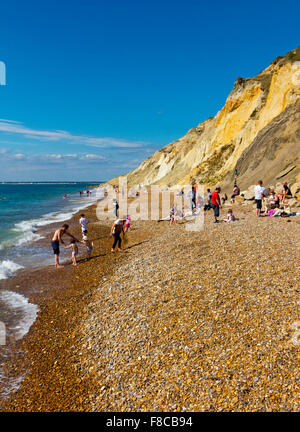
88,243
83,221
172,216
127,223
230,216
74,248
272,201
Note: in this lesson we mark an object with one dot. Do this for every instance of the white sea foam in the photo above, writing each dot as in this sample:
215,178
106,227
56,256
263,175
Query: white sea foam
25,237
7,268
32,224
47,219
21,315
9,385
26,230
24,312
28,236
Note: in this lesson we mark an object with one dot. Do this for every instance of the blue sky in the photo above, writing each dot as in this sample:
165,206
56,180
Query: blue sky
94,87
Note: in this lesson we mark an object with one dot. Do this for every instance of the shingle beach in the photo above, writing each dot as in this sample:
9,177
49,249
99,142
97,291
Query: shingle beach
179,321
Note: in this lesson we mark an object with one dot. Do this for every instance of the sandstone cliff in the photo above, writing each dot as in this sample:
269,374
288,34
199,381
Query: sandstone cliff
257,132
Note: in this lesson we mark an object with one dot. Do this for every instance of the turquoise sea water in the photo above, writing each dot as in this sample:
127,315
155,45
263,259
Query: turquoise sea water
24,210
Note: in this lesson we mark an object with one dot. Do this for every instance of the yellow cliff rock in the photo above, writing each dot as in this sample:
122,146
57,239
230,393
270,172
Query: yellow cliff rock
258,126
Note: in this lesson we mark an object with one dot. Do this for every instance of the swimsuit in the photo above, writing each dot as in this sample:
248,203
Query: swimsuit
258,204
55,247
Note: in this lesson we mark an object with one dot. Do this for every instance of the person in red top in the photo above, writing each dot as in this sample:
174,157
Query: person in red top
216,203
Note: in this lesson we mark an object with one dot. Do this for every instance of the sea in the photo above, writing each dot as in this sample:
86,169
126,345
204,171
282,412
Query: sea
25,208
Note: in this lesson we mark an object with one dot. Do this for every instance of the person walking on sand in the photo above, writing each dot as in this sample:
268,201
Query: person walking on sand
57,237
259,196
74,248
116,230
216,203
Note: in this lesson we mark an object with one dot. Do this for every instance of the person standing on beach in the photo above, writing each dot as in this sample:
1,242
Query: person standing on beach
116,207
192,196
207,205
83,221
116,230
216,203
259,196
57,237
88,243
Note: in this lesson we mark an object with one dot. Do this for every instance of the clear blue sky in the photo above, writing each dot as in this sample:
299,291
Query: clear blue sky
95,86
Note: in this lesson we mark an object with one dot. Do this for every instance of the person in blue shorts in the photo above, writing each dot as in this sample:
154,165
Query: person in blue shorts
56,239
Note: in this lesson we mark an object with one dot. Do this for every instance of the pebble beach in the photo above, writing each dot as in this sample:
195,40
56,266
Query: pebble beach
178,321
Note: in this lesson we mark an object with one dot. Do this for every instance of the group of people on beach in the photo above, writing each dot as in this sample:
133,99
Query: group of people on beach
272,200
63,230
275,205
118,230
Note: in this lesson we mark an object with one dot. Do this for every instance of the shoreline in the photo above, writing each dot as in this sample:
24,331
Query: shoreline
39,285
82,354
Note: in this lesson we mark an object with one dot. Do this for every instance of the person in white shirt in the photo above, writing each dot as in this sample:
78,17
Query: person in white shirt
259,191
83,221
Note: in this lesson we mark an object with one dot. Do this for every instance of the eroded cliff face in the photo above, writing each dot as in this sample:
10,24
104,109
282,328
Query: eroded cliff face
258,112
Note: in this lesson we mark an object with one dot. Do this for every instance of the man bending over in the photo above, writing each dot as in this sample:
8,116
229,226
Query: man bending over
57,237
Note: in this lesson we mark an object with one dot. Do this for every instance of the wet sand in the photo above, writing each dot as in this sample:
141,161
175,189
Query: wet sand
180,321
